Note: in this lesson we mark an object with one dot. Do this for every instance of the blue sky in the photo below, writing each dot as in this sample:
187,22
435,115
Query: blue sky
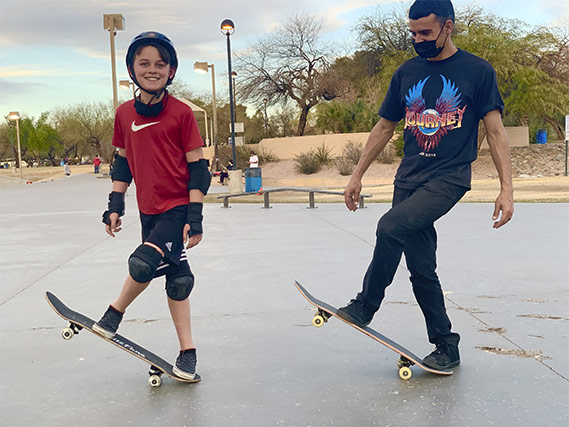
55,54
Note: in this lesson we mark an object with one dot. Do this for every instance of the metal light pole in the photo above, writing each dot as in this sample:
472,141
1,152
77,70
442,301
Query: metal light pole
127,84
265,100
15,116
203,67
233,77
113,22
228,28
11,125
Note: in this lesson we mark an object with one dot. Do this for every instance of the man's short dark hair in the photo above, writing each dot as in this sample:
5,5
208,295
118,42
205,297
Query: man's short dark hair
442,9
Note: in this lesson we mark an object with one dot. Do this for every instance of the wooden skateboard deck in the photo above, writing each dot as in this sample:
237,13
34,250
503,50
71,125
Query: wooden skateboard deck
407,359
78,321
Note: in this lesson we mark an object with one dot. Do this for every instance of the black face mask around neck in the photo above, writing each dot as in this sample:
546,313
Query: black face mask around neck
150,110
429,49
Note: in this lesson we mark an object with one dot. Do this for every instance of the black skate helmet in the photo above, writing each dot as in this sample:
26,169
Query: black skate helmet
151,38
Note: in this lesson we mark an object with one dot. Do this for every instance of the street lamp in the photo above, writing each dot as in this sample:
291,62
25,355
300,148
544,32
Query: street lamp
113,22
15,116
228,28
265,100
126,84
233,77
202,68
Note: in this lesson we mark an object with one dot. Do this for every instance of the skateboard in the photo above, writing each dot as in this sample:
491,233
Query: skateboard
78,321
406,359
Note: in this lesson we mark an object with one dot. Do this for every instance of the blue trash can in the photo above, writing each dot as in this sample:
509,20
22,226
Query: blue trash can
541,137
253,180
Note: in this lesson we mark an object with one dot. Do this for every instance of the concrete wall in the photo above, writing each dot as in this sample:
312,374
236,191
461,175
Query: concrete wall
287,148
519,137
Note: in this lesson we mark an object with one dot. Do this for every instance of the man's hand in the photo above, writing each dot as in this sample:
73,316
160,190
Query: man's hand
505,205
191,240
115,225
352,194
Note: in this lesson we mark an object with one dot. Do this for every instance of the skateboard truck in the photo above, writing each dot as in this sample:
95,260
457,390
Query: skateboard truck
155,376
71,330
404,364
320,318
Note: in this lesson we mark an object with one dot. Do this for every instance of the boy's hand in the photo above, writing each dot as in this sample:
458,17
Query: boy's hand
115,226
191,240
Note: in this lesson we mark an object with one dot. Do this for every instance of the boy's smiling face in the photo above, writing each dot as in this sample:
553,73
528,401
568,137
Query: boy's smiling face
150,69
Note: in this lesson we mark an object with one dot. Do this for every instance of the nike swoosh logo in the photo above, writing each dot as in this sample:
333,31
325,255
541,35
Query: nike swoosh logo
136,128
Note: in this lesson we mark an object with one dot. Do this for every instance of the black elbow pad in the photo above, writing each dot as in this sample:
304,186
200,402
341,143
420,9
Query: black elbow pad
200,176
121,170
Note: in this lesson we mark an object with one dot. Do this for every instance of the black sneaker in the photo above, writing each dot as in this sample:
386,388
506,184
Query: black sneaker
445,356
357,313
109,323
186,365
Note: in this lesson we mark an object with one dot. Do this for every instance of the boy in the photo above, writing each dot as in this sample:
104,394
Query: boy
159,145
442,94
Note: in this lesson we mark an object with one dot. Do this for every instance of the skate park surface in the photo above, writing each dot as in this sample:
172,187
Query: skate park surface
262,361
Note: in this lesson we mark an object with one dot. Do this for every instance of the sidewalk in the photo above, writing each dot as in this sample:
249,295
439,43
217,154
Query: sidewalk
261,361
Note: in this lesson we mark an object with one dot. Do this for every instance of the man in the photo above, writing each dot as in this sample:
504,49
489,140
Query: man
442,94
253,160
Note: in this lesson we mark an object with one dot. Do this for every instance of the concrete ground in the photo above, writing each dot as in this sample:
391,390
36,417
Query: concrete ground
261,360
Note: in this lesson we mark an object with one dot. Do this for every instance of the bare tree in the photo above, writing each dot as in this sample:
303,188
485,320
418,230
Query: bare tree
291,64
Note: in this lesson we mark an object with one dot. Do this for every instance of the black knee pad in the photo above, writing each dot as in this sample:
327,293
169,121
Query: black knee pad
179,288
143,262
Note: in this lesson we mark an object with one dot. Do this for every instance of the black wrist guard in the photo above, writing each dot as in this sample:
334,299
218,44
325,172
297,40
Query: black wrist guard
116,205
200,176
121,170
195,218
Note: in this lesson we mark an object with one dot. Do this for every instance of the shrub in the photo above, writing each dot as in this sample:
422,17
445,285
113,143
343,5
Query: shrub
345,165
387,156
267,156
353,151
323,154
307,163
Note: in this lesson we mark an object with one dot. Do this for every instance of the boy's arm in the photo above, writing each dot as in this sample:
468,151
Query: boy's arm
116,203
196,197
500,151
376,142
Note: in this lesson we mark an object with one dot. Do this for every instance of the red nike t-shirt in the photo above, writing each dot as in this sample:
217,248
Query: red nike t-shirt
156,150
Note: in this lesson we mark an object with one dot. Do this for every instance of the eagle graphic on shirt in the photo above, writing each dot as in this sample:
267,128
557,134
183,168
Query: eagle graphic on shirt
430,125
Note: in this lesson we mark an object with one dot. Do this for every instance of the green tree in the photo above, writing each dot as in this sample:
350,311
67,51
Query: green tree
86,129
288,65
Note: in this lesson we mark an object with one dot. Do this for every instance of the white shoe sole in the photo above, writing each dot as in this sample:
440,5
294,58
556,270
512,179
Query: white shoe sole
183,374
107,334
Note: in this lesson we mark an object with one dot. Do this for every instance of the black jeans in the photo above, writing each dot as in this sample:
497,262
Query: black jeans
408,227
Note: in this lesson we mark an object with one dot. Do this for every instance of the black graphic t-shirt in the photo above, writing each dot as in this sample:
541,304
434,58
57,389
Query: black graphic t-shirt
442,103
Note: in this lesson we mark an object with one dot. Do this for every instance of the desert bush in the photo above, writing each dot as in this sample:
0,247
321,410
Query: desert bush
388,154
307,163
267,156
345,165
353,151
323,154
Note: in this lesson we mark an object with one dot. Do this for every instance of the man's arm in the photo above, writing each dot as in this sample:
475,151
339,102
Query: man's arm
376,142
500,150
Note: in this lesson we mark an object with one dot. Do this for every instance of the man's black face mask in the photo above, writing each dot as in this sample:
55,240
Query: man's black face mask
429,49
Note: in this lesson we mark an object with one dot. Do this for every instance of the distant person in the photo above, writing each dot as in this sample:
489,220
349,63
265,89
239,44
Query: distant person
225,172
66,168
442,94
253,160
97,163
160,146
